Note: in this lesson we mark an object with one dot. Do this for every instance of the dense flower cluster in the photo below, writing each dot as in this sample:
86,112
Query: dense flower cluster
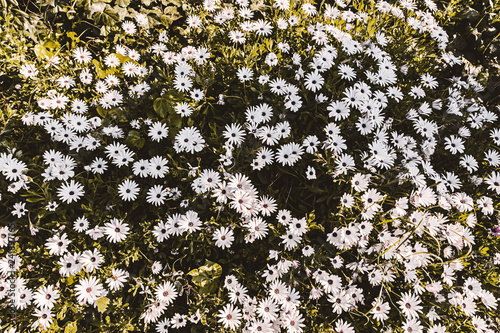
297,147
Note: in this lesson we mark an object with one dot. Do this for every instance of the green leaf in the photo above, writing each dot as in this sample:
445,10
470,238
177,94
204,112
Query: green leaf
122,12
123,3
41,52
175,120
162,106
206,276
62,313
123,59
101,111
103,73
173,95
134,138
371,26
70,280
177,3
102,304
172,12
492,278
71,327
34,199
209,288
51,44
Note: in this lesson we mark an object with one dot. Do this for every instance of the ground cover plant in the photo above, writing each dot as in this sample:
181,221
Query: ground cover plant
269,167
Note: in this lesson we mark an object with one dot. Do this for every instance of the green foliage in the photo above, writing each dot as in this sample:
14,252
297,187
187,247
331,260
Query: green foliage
474,28
206,277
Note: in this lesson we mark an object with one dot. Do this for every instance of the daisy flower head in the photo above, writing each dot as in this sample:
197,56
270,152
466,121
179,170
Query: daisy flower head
267,205
10,264
158,167
46,297
469,163
343,326
463,202
183,83
91,260
45,318
413,325
271,59
346,72
101,87
409,304
79,106
190,222
184,109
294,321
262,27
197,95
4,236
95,233
68,193
116,230
230,282
129,27
130,69
13,169
178,320
331,283
158,131
194,21
428,81
141,168
65,82
156,195
52,206
308,251
266,156
111,60
82,55
85,76
29,71
230,316
340,301
493,182
237,36
257,227
309,9
89,290
486,205
244,74
166,293
298,227
314,81
360,182
118,279
81,224
492,157
99,165
163,326
156,267
234,134
128,190
223,237
189,139
57,245
209,179
290,240
163,231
